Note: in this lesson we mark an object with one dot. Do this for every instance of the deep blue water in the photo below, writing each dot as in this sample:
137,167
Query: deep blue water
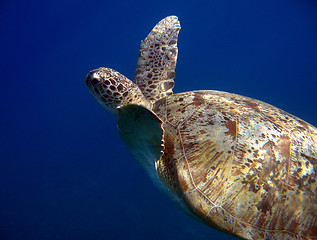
64,171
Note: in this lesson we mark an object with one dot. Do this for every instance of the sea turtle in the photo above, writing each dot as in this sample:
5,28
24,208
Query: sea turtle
235,163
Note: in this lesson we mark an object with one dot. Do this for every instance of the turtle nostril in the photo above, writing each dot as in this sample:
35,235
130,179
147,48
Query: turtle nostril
94,81
91,80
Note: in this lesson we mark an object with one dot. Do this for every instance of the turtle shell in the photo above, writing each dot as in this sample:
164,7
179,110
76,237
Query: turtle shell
240,165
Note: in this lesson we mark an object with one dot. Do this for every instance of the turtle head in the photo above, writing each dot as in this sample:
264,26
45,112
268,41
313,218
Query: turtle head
113,90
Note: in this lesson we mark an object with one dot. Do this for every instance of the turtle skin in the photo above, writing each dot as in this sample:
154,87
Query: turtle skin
239,164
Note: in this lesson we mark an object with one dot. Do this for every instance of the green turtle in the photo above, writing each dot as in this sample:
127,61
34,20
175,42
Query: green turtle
235,163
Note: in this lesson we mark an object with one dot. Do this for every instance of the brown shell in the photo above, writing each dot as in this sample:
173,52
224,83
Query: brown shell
240,165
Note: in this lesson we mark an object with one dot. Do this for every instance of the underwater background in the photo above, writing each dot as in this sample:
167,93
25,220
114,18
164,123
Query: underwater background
64,171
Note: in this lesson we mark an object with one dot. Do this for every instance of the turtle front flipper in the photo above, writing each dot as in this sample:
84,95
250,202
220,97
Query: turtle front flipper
155,71
141,131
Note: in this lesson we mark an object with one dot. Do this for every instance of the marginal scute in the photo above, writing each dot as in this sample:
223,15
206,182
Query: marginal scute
166,165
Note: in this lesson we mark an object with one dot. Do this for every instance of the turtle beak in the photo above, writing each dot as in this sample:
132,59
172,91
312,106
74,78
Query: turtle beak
90,80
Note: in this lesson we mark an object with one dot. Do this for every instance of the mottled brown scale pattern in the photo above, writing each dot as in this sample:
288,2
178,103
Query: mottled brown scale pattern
242,165
155,71
112,89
